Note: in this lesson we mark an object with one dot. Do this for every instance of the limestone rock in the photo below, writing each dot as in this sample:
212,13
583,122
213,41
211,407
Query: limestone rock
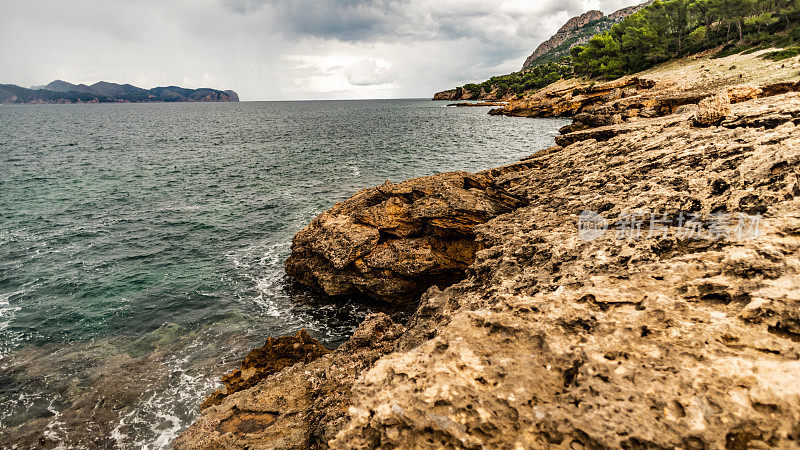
654,340
577,31
655,93
301,406
713,110
565,33
393,241
664,341
276,354
452,94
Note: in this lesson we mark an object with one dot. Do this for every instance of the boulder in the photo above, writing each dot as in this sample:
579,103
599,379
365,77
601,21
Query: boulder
394,241
713,110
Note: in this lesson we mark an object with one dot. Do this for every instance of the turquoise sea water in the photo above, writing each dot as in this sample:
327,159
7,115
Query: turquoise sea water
141,246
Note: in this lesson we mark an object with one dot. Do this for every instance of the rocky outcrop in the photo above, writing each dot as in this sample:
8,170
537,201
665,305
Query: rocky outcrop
464,94
564,34
567,99
477,104
275,355
452,94
393,241
620,14
672,324
577,31
302,406
658,341
595,107
232,95
713,110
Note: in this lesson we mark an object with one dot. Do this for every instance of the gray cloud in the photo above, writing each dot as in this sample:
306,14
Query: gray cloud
370,20
344,20
279,49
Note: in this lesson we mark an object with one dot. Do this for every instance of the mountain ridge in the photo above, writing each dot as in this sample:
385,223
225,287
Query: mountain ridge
577,31
60,91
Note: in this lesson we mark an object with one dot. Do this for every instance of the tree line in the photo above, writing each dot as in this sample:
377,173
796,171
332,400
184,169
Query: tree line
675,28
518,82
659,32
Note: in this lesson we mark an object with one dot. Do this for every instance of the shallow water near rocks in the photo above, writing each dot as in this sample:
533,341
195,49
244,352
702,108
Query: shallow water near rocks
142,246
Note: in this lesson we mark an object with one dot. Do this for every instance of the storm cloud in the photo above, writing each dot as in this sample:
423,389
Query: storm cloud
279,49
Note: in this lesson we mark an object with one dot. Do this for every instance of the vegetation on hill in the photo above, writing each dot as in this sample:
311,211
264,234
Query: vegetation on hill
104,92
675,28
662,31
10,93
580,35
518,82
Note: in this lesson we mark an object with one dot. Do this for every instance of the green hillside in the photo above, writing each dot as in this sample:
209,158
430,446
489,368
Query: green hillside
659,32
675,28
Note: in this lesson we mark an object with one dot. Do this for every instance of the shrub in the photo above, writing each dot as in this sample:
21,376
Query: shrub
783,54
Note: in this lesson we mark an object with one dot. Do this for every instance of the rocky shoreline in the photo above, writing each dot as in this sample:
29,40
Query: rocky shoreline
636,286
477,104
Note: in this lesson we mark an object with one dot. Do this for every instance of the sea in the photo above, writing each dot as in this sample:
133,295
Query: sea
142,245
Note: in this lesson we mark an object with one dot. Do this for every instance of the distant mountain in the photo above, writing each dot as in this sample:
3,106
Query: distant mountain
60,91
63,86
577,31
116,90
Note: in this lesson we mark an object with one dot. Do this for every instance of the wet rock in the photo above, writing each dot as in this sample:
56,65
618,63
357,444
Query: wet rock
301,406
276,354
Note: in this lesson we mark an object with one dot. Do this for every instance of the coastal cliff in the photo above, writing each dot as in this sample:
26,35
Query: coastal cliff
634,286
567,33
578,31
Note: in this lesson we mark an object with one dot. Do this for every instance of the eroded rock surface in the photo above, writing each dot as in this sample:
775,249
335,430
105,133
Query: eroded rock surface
657,92
659,342
276,354
659,339
302,406
393,241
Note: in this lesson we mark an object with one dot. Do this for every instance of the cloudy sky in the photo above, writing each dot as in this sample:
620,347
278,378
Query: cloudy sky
279,49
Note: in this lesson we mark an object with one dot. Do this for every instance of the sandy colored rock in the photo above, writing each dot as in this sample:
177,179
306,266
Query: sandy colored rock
661,342
676,325
302,406
713,110
394,241
656,92
276,354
